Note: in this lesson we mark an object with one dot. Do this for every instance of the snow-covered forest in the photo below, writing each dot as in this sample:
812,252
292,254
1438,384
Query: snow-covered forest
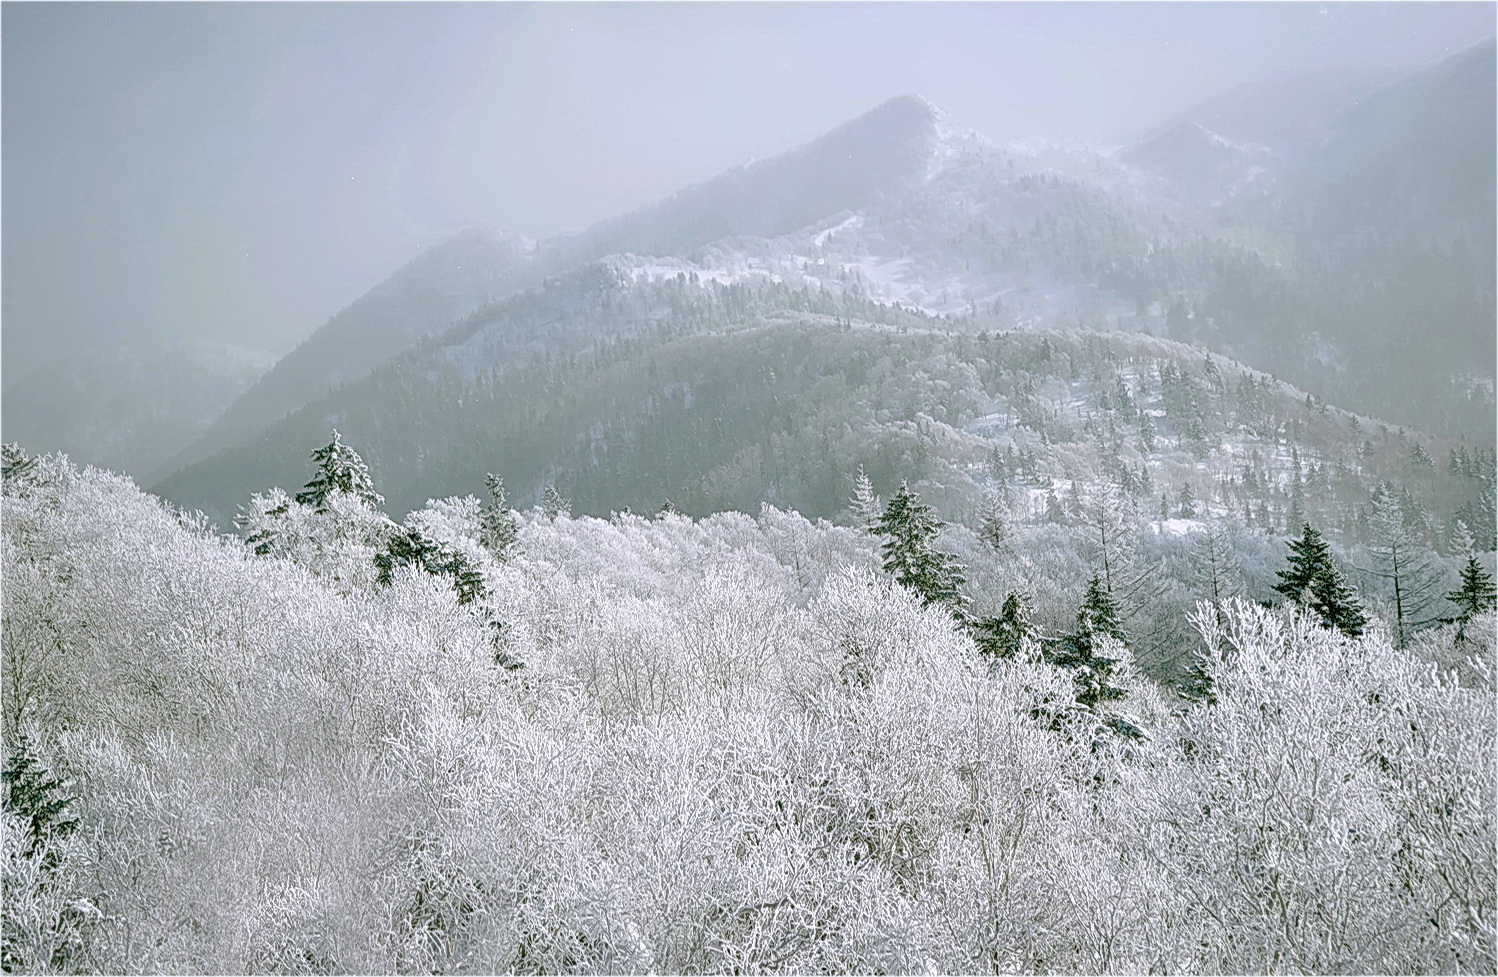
484,740
637,488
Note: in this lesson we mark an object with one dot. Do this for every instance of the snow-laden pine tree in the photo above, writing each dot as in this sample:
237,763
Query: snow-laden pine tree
866,505
412,547
499,526
993,528
1313,580
1083,652
910,528
14,462
1005,636
554,504
339,469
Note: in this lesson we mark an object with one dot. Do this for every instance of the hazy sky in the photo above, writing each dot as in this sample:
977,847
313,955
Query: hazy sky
245,170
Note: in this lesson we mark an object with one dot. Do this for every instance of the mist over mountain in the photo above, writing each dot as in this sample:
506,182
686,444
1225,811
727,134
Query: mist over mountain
1287,114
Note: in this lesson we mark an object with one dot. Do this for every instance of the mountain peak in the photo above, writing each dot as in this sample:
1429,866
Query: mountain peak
899,121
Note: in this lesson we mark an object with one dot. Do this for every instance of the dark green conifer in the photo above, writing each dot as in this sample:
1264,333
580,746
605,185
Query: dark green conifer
554,504
1313,581
910,529
499,528
412,547
1092,672
15,464
39,799
339,469
1477,593
1004,636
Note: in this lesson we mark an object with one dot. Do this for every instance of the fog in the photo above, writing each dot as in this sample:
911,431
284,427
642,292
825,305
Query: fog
243,171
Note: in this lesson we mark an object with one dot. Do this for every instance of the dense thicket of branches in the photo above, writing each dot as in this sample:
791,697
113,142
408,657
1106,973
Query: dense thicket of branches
735,745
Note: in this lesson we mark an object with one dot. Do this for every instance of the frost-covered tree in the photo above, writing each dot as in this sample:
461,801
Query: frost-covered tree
554,504
1407,568
1218,575
499,526
1005,636
1186,504
866,505
993,527
910,528
15,464
1085,652
339,469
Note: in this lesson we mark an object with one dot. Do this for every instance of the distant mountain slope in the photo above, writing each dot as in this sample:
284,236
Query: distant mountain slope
429,293
721,396
912,183
1284,113
900,207
127,406
1200,164
1394,224
1413,160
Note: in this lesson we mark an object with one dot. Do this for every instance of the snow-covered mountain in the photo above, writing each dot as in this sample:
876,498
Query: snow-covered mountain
1189,235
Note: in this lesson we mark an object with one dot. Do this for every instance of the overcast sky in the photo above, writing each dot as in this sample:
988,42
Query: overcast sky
245,170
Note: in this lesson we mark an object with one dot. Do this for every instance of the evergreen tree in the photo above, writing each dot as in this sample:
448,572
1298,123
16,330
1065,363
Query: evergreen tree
910,554
992,528
554,504
667,509
1314,581
1477,593
499,527
15,464
339,469
1053,511
1005,635
1187,503
1147,441
1199,685
412,547
39,799
1080,652
865,504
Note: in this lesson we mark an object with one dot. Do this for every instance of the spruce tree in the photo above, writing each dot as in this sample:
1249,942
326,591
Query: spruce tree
554,504
339,469
865,504
992,528
1187,503
40,800
499,528
412,547
1092,672
1477,593
15,464
1313,581
909,529
1005,635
